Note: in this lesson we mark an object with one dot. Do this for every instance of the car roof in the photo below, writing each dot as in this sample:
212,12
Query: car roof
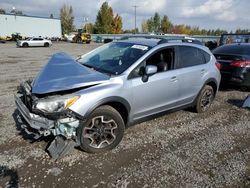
142,41
154,41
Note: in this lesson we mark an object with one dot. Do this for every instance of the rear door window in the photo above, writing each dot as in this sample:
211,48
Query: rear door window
190,56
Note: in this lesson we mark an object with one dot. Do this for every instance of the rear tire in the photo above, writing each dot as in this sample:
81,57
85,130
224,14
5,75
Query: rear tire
46,44
204,99
102,131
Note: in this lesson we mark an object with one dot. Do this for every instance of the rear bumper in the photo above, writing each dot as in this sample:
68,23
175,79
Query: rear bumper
239,79
41,124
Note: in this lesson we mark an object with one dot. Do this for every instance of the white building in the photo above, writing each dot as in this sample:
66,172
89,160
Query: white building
29,26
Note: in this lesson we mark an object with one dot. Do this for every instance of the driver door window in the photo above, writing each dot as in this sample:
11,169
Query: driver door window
163,59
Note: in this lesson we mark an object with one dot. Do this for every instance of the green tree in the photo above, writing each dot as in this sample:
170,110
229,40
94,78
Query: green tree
88,28
2,11
150,23
242,31
51,16
67,19
166,25
144,27
16,12
104,19
157,22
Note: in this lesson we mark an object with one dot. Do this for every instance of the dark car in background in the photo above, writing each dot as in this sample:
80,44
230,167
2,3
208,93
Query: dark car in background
235,64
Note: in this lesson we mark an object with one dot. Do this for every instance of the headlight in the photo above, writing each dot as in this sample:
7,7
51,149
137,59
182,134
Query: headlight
56,105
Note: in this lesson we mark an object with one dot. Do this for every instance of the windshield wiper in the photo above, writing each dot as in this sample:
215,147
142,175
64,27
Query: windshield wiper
89,66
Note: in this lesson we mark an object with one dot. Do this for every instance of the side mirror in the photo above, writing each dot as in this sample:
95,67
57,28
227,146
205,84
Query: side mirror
149,70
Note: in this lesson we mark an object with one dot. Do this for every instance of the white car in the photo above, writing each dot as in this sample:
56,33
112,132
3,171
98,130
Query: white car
34,42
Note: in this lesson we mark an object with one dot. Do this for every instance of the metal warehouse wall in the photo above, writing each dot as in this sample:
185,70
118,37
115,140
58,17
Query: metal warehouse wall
29,26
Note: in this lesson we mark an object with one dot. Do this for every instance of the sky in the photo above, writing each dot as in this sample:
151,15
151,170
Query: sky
208,14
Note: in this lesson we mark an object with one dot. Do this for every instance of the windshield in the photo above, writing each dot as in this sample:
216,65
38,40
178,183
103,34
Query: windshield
113,58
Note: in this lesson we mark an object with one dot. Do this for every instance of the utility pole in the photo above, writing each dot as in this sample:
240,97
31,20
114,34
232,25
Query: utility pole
135,6
85,20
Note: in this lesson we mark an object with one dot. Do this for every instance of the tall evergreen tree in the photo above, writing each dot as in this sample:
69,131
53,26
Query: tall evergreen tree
166,25
67,19
150,23
157,22
104,19
2,11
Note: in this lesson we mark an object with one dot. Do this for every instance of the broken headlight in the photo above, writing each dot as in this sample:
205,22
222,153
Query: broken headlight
55,105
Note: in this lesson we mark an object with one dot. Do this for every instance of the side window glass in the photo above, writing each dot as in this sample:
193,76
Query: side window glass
163,59
190,56
206,56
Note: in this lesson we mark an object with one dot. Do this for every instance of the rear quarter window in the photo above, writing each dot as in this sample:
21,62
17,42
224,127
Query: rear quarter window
207,56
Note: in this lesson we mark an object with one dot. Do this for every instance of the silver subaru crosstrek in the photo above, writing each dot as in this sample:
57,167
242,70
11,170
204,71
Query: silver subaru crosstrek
90,101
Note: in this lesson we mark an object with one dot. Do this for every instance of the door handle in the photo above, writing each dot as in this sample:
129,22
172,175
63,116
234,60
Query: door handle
202,71
173,79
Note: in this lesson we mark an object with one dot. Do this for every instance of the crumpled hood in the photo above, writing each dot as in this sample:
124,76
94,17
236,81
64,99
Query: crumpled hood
63,73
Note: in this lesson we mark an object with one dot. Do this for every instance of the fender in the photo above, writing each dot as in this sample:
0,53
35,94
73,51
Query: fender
207,81
212,80
108,100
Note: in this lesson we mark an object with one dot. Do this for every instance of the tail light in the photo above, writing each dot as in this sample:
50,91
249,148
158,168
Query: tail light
240,63
218,65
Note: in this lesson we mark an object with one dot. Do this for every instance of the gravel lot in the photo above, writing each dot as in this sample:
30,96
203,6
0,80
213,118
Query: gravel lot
181,149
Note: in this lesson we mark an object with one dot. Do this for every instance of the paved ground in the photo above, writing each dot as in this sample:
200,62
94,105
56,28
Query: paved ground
181,149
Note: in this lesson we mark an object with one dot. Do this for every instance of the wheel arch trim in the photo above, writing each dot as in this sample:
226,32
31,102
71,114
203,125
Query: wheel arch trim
101,102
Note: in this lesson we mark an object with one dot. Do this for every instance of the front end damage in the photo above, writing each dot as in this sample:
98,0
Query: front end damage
59,121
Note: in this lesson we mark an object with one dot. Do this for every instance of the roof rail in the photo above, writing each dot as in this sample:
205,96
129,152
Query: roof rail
163,39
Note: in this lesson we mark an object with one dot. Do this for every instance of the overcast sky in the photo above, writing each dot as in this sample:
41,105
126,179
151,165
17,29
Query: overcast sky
209,14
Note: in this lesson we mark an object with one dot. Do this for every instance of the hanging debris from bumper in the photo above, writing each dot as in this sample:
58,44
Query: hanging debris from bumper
60,146
246,103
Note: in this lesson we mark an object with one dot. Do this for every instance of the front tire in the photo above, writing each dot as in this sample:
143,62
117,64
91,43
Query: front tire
102,131
25,45
204,99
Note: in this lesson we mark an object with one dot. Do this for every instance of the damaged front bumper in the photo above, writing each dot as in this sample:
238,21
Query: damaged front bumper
64,129
40,124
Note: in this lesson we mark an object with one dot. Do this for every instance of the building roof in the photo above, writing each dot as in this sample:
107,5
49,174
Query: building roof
9,14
